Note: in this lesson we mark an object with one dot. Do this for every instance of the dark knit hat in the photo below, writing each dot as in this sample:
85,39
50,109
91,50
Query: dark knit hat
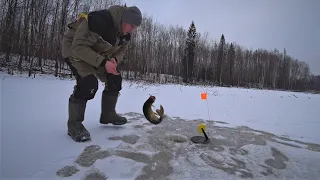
132,15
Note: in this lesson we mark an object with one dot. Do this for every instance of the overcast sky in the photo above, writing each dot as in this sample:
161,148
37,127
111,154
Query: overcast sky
268,24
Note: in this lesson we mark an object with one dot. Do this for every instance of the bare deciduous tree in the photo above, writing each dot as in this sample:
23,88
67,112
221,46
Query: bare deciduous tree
30,41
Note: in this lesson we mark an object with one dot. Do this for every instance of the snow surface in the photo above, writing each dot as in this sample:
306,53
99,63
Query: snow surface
34,143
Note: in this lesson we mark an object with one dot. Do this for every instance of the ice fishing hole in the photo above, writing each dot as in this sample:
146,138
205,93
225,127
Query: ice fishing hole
177,138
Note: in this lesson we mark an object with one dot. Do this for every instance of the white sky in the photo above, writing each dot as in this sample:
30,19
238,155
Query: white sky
268,24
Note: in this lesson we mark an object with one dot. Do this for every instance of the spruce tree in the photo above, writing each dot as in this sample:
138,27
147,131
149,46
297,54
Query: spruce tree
189,57
221,55
231,57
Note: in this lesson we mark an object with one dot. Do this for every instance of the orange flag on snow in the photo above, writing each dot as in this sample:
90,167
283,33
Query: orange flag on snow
203,96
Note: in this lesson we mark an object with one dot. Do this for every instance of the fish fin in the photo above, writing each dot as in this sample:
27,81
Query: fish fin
160,111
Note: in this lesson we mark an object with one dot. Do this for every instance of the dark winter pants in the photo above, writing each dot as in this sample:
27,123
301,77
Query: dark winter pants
87,86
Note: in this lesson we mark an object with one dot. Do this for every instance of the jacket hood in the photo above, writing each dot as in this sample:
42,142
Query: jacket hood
116,12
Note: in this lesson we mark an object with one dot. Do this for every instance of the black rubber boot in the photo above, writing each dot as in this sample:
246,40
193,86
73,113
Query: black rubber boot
76,130
108,112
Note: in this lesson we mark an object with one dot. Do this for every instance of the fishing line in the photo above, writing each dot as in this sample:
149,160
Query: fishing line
208,110
207,103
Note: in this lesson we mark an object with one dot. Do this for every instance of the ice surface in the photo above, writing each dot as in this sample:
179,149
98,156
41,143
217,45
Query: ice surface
254,133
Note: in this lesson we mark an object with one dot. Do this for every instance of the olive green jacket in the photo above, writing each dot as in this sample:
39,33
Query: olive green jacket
94,38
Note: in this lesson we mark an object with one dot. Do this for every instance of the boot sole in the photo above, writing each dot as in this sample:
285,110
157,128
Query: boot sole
83,139
119,124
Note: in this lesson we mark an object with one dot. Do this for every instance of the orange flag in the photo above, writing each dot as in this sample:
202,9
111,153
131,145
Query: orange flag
203,96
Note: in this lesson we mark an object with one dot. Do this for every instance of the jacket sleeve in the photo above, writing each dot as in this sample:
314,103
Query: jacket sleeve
81,46
121,52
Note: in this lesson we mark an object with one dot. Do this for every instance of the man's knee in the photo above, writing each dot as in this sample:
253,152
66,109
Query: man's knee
114,83
86,87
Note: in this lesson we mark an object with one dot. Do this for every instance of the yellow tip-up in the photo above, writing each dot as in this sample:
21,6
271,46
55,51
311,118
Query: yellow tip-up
200,127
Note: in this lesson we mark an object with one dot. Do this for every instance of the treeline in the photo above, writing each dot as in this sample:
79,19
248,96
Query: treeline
31,32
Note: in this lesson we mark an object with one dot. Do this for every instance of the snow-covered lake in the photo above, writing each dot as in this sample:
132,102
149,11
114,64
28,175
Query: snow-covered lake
34,143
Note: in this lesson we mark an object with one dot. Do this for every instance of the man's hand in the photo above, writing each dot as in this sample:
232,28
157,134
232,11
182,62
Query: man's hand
111,66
